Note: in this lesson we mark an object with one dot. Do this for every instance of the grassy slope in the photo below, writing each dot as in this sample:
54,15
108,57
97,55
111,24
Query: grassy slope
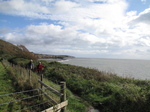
76,104
107,92
20,82
5,82
9,51
11,82
5,88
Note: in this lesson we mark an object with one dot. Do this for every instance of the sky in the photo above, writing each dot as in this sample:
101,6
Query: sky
80,28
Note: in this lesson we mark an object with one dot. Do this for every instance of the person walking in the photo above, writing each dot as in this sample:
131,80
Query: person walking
31,65
40,68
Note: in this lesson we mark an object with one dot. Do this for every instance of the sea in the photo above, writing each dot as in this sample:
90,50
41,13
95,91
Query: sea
130,68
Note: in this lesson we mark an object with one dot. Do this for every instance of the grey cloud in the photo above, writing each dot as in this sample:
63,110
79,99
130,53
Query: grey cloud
144,17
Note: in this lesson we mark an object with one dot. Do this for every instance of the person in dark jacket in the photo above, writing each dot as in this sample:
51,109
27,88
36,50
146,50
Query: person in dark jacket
39,67
31,65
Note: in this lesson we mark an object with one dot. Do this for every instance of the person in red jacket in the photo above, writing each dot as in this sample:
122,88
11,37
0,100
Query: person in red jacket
40,67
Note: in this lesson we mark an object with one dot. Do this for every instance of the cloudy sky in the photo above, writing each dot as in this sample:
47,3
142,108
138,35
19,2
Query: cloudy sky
81,28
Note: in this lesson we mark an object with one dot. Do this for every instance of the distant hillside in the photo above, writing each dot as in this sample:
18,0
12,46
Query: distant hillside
46,56
23,48
8,51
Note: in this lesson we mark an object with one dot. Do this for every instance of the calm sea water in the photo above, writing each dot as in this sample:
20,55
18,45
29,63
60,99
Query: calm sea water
138,69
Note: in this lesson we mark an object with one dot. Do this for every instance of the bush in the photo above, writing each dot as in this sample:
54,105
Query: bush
105,91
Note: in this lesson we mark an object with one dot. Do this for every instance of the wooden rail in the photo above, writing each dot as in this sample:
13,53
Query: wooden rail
62,94
56,107
50,88
53,102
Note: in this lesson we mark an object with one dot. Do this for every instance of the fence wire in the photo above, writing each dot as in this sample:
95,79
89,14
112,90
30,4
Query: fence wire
21,99
19,92
31,107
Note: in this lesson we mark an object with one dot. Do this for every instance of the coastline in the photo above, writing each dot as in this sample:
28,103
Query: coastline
54,59
51,59
135,69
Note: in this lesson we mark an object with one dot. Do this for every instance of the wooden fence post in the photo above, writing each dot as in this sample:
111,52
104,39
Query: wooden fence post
63,94
29,75
41,80
41,85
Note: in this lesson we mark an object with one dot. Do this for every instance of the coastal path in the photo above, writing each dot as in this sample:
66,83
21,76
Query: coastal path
44,98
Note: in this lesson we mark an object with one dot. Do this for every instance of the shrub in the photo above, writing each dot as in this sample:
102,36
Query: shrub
105,91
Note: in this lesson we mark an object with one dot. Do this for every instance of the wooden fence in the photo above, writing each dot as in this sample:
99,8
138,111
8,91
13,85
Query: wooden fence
62,94
57,106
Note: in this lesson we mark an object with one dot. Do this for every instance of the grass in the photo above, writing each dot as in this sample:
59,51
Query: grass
5,88
5,82
105,91
19,78
76,104
12,81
